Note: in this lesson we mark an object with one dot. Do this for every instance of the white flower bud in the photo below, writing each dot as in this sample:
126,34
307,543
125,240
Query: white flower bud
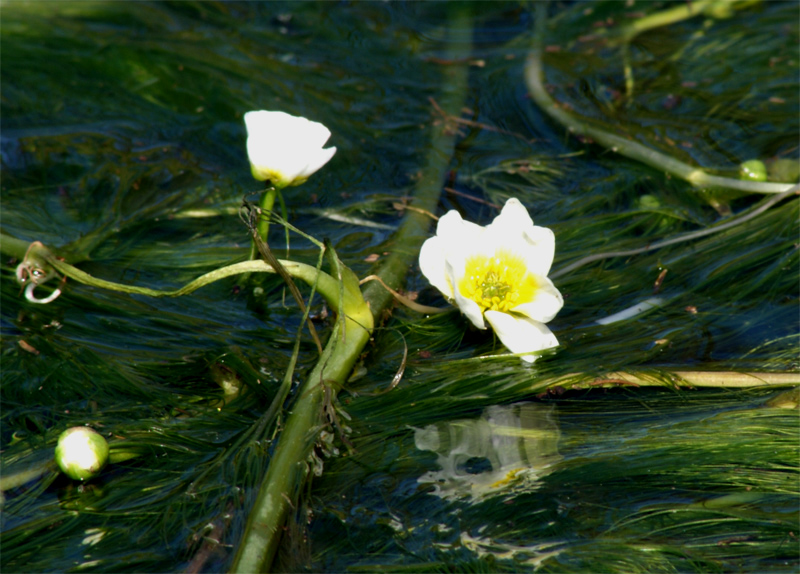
283,149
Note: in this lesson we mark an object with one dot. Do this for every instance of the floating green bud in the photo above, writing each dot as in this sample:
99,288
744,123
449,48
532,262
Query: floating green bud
753,170
81,452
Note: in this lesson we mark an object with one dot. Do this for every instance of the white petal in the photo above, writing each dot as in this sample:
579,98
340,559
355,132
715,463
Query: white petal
314,133
316,161
540,248
261,150
432,265
513,216
455,231
260,123
520,334
441,260
513,229
454,268
547,302
471,311
299,134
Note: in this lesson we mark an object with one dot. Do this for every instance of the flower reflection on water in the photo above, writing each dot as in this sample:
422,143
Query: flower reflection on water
506,448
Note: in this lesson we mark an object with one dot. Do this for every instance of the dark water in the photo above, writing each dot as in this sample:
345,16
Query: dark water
123,148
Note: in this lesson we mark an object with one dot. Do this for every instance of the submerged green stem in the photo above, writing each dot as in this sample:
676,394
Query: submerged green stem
414,230
794,190
16,478
13,247
534,77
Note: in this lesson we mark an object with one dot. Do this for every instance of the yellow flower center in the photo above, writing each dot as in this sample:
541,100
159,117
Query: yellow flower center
497,283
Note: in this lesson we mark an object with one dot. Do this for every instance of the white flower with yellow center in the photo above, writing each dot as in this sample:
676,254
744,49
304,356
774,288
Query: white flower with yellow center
498,275
284,149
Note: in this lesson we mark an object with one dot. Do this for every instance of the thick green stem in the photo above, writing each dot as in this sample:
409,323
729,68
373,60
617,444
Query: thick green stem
534,76
289,465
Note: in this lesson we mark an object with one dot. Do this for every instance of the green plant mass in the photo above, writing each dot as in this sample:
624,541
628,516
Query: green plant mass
281,387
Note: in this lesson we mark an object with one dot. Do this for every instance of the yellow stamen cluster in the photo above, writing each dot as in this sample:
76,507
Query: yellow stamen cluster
497,283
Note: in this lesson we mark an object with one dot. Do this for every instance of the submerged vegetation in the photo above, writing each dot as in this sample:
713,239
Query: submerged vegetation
659,436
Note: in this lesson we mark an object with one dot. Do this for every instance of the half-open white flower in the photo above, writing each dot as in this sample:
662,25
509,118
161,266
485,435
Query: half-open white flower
498,275
285,149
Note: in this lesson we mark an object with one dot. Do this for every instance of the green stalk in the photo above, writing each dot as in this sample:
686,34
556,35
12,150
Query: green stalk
18,474
266,205
37,253
13,247
289,468
534,77
679,13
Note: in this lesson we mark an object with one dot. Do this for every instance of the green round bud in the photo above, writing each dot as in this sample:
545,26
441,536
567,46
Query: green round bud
753,170
81,452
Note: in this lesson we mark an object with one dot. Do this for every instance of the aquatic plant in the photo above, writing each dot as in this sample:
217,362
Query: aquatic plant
392,435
